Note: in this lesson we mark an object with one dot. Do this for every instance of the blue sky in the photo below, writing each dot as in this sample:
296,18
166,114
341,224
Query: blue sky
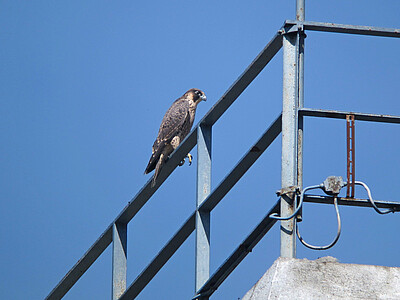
84,86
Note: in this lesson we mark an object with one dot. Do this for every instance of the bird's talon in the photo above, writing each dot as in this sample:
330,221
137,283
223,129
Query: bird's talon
190,157
181,163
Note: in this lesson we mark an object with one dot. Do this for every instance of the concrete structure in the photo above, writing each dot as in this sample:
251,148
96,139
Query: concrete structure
325,278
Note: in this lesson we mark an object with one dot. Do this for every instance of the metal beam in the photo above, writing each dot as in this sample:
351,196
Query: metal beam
289,140
342,28
119,256
352,202
238,255
342,115
243,165
160,260
176,157
208,204
82,265
133,207
300,16
244,80
125,216
202,252
300,10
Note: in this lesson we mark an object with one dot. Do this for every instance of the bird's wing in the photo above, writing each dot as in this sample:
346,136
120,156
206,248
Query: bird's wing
173,120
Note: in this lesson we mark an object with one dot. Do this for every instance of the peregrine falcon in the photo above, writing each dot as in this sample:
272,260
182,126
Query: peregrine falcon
175,126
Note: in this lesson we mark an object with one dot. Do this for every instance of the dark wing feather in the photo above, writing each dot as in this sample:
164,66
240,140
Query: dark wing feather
172,123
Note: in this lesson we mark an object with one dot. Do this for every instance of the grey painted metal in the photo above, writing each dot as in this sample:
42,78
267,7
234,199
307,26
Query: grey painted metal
133,207
208,204
234,91
238,255
343,28
82,265
342,115
125,216
146,192
289,140
119,256
243,165
202,252
300,10
352,202
300,16
160,259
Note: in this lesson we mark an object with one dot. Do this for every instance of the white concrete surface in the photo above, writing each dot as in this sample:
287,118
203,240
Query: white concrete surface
325,278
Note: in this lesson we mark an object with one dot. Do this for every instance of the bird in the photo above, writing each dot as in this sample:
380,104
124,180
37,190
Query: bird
175,126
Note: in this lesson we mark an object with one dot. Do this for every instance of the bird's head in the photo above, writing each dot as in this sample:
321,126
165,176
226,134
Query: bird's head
196,95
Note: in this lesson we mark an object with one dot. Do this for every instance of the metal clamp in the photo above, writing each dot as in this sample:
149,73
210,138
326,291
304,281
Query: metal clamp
294,27
298,207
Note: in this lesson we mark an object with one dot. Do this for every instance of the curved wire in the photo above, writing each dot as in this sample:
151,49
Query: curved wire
382,212
277,217
335,202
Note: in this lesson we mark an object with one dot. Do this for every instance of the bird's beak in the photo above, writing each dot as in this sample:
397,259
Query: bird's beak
203,98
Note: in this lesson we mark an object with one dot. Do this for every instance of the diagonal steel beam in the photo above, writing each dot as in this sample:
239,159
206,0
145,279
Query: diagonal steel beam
124,217
244,80
176,157
208,204
239,254
82,265
161,259
243,165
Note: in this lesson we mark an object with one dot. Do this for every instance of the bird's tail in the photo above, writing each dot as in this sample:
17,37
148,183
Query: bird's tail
160,163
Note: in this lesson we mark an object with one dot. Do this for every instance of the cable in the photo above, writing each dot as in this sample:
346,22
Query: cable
335,202
382,212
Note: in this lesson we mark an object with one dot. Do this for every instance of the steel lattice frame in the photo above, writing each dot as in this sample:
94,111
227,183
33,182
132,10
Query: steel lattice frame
291,38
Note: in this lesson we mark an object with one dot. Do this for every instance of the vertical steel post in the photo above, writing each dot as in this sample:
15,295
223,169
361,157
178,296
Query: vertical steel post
300,10
203,217
289,140
119,256
300,16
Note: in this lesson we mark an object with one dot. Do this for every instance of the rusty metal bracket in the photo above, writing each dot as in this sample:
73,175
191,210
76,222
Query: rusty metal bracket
351,155
294,189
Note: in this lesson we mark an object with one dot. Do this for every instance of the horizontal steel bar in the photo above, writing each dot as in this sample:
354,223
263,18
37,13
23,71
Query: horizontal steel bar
82,265
239,254
351,202
243,165
160,260
234,91
187,228
342,115
342,28
176,157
